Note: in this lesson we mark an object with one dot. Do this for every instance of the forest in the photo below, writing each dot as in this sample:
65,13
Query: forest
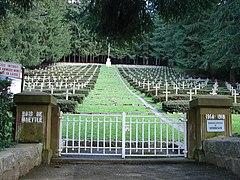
205,43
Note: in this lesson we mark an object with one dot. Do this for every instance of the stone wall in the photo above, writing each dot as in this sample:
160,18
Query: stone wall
17,161
223,152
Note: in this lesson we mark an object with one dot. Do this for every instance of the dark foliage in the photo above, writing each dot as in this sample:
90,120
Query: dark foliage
6,120
67,105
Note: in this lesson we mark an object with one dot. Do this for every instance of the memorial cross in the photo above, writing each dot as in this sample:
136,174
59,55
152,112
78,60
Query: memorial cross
235,94
60,85
139,83
74,89
49,83
29,88
51,89
157,86
41,87
78,86
33,86
190,94
232,89
215,86
67,93
195,89
148,85
191,84
166,92
176,89
183,84
213,92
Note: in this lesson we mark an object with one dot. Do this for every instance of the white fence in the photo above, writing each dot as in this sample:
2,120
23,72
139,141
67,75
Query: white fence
122,135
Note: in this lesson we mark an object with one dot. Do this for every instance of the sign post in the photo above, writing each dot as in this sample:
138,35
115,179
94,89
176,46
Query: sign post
208,117
12,72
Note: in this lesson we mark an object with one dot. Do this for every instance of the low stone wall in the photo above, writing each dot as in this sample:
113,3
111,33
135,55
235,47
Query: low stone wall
17,161
223,152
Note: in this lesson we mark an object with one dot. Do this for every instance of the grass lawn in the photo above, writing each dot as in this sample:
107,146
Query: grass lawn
236,123
110,96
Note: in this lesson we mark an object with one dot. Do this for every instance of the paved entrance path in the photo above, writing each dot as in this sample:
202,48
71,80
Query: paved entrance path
178,171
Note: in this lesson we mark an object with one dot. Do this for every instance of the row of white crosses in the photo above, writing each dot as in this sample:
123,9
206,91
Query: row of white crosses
153,78
233,91
190,82
53,82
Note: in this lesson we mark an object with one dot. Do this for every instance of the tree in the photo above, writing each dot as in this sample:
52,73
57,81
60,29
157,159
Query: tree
33,37
126,18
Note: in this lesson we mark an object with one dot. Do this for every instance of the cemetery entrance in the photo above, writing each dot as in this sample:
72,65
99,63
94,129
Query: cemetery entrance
122,135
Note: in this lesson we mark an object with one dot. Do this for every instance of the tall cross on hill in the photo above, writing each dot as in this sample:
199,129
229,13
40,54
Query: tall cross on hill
108,63
109,49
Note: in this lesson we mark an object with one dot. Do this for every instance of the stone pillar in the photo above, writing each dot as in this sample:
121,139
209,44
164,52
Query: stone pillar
37,120
209,116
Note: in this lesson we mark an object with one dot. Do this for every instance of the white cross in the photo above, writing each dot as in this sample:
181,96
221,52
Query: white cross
67,93
156,89
213,92
232,89
195,89
143,84
190,94
183,84
148,85
139,83
52,89
41,87
29,88
74,88
235,94
33,86
176,89
166,92
66,85
215,86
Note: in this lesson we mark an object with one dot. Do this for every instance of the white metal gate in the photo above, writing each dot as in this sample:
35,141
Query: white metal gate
122,135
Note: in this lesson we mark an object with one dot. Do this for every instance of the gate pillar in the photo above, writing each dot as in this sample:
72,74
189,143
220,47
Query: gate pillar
209,116
37,121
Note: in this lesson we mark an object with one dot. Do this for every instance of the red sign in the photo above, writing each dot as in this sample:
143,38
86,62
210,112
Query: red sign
10,69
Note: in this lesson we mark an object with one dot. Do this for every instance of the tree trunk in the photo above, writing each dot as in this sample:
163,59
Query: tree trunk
232,77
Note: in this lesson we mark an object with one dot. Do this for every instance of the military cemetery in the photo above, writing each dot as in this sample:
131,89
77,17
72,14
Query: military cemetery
119,89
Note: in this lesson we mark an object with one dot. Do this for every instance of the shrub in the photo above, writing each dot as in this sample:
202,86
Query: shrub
175,106
67,105
73,97
235,109
6,119
183,106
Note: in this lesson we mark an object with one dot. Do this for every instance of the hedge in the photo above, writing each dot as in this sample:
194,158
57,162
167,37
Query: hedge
62,91
6,119
175,106
73,97
67,105
235,109
183,106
